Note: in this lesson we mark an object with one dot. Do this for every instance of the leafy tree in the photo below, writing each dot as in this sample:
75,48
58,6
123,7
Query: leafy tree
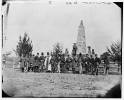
115,51
24,46
57,49
104,55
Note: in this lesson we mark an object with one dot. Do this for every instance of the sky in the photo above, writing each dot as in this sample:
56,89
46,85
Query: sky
47,24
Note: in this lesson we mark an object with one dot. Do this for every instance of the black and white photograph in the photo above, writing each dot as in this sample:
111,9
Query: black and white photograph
61,49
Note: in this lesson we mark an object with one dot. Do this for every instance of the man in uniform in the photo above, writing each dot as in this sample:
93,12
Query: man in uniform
106,65
74,49
74,64
25,63
80,63
42,60
91,64
62,64
28,62
47,61
52,62
22,63
87,63
58,62
97,61
36,63
68,61
32,61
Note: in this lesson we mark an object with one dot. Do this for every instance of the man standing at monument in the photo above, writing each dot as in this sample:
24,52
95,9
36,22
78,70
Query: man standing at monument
74,64
29,63
80,63
52,62
47,60
91,64
32,61
42,60
62,63
22,63
74,49
68,61
36,63
87,63
106,65
97,61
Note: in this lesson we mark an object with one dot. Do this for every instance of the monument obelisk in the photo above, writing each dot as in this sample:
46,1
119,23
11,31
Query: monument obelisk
81,41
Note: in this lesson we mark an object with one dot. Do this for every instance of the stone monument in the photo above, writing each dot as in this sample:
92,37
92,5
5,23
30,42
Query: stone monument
81,41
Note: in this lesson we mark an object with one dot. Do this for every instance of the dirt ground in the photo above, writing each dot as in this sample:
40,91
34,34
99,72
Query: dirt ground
31,84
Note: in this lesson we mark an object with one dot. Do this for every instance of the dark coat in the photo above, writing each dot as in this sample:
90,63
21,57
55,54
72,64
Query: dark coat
68,60
92,60
42,60
37,61
97,60
87,60
32,61
62,60
52,61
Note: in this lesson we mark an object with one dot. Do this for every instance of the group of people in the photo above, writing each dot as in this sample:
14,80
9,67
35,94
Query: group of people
60,63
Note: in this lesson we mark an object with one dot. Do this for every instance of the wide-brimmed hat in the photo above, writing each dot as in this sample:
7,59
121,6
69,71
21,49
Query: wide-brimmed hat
47,53
80,54
42,53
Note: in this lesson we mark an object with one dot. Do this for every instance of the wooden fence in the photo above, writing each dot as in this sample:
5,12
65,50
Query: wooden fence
114,68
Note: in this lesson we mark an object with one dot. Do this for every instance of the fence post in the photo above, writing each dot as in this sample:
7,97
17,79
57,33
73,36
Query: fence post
104,69
13,64
118,67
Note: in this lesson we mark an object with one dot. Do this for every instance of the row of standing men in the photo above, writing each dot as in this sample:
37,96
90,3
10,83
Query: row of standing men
60,63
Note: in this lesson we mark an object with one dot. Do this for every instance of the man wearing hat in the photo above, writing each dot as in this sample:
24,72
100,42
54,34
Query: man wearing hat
52,62
42,60
62,63
22,63
80,63
91,64
32,61
87,63
97,61
37,62
74,49
47,60
68,61
58,62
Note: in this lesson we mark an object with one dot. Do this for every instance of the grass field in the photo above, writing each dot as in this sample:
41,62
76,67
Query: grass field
31,84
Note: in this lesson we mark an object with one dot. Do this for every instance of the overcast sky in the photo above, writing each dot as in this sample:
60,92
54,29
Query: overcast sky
47,24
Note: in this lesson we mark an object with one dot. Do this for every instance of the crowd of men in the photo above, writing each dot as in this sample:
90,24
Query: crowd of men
60,63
